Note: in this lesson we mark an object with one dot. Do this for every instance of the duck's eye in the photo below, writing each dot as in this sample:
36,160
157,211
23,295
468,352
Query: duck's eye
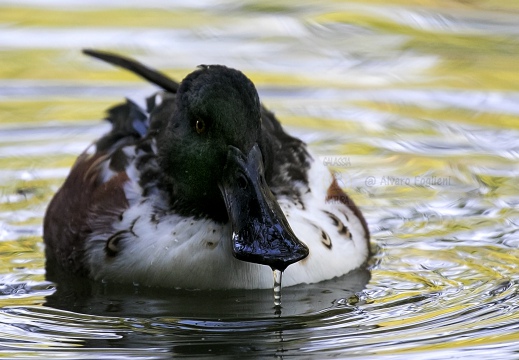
200,126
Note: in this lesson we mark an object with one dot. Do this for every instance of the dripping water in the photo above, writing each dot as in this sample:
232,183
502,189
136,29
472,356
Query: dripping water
277,289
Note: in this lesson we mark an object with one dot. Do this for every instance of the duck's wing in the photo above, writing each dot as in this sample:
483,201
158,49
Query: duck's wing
94,195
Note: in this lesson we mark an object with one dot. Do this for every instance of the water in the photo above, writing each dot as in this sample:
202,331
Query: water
413,104
278,275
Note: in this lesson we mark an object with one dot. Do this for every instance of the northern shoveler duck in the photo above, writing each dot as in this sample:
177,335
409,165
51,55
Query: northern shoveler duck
201,189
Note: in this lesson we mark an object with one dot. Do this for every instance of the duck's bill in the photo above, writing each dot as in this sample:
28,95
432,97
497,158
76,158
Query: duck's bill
260,232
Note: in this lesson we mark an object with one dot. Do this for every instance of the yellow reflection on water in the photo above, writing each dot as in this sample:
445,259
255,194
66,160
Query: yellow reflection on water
42,111
87,17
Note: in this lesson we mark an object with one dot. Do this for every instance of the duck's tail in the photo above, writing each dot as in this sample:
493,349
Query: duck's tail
153,76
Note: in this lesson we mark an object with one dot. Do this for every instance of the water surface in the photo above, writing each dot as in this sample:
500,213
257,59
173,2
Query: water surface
414,105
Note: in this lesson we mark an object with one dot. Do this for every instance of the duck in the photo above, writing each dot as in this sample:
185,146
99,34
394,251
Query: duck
200,187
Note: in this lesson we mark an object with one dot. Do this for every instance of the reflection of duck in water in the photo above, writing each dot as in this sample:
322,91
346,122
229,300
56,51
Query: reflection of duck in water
178,193
126,300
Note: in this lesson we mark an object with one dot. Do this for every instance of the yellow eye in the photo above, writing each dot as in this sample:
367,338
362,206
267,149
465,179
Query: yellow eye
200,126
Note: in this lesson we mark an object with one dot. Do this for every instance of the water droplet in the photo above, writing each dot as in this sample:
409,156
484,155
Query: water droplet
277,288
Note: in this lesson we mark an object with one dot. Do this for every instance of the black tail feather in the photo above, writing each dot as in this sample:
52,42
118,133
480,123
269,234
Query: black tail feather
143,71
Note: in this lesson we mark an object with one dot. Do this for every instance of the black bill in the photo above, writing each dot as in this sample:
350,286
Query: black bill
260,232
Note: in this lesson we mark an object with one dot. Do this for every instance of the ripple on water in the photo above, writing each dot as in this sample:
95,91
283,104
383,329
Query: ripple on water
414,303
362,83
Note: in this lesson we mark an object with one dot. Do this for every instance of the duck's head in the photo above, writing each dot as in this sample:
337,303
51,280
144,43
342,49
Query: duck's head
210,153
